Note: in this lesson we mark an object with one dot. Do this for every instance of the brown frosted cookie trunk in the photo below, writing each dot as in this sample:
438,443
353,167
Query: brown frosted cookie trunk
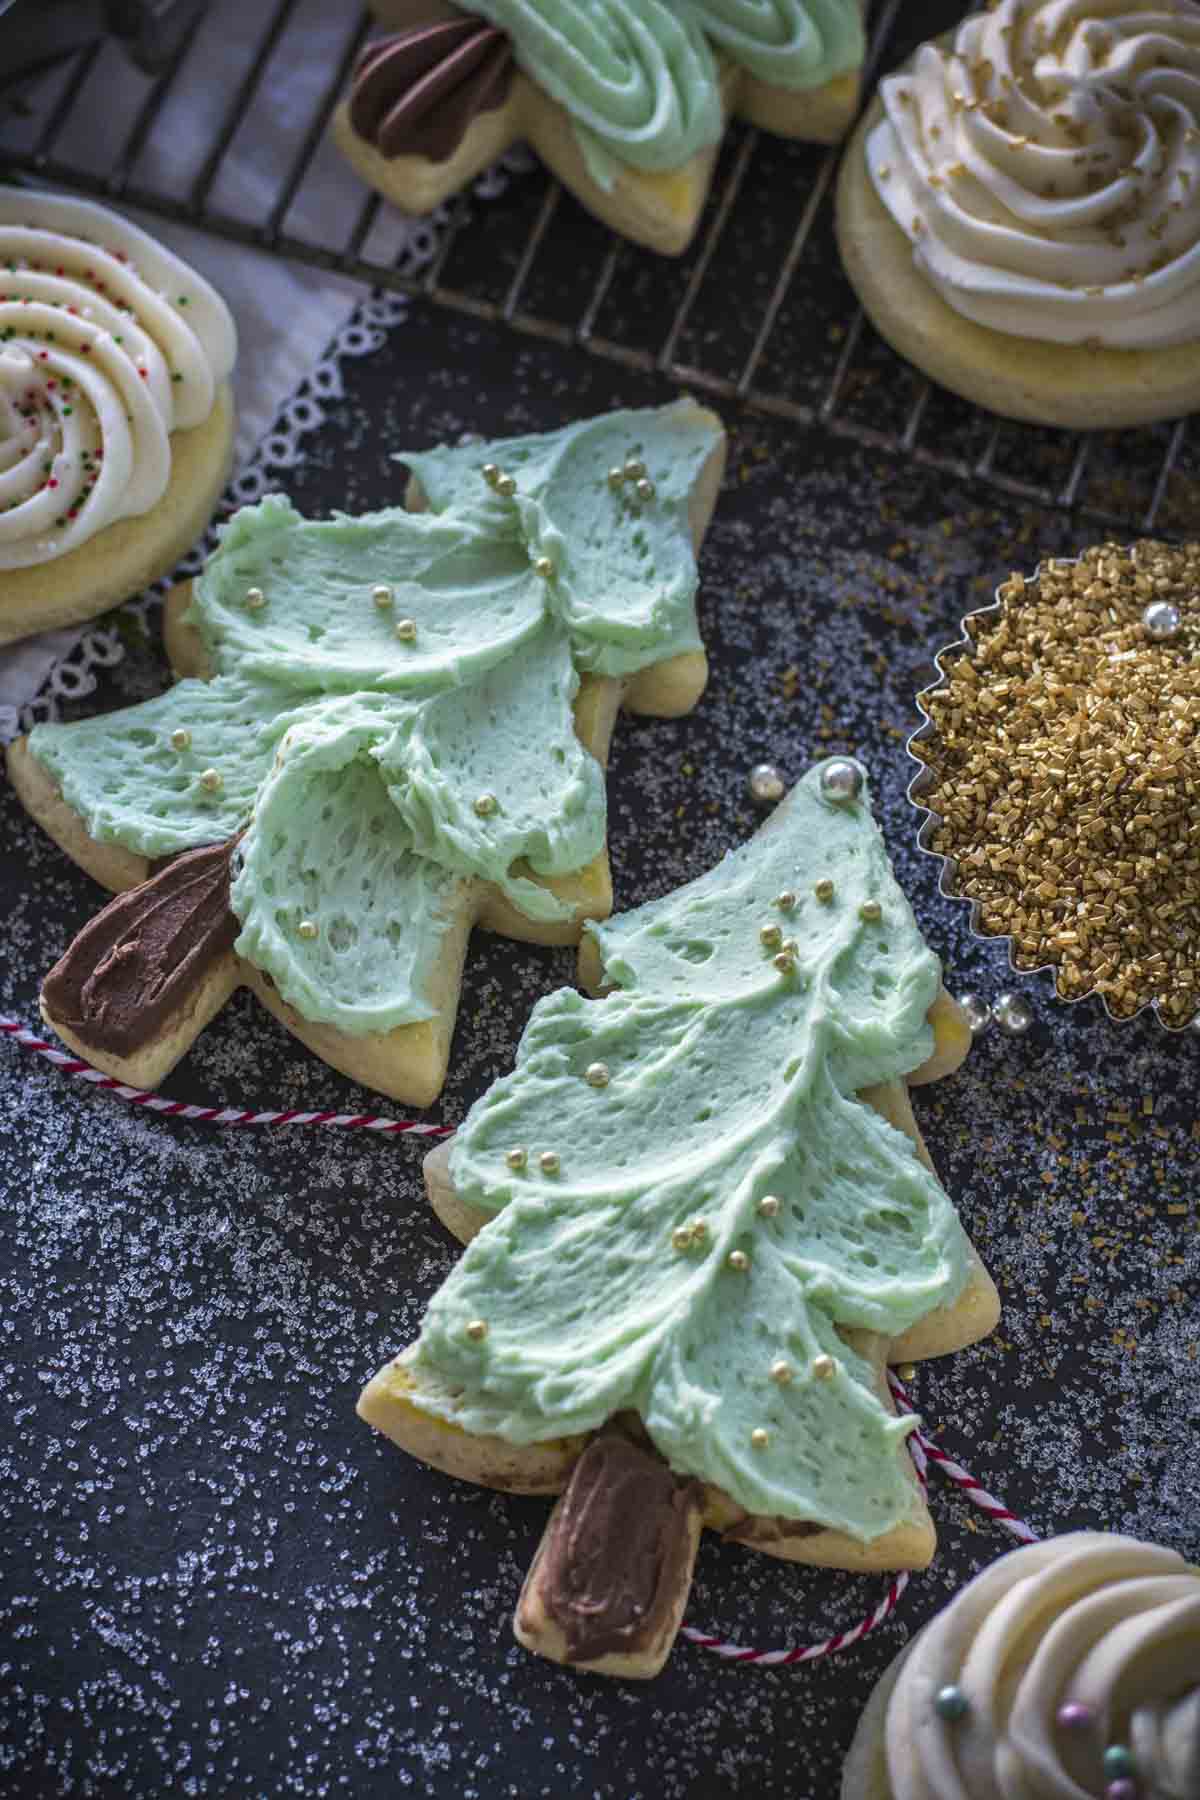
137,963
613,1573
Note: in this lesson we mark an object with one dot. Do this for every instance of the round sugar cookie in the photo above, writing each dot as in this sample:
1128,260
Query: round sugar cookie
1072,1664
116,413
977,125
127,556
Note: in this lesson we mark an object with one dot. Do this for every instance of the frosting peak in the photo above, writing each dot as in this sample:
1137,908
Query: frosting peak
416,93
109,343
1062,1650
1046,169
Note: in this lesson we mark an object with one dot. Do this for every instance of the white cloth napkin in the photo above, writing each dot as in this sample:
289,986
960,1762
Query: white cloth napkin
287,313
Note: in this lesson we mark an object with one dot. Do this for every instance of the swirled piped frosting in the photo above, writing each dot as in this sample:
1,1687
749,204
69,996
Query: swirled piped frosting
1046,170
417,93
794,44
108,343
1061,1651
637,77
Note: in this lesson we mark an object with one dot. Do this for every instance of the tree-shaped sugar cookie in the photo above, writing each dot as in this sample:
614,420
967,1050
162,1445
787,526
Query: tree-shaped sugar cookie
699,1220
387,729
626,101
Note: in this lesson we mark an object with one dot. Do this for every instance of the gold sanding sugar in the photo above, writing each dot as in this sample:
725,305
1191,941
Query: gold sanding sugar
1064,757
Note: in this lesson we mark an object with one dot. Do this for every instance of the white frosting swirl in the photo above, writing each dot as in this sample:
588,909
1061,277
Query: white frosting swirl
108,343
1100,1621
1047,169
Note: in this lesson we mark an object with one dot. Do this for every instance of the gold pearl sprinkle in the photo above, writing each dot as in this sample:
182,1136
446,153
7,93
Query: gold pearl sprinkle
769,1206
700,1231
212,781
823,1367
823,889
255,599
485,805
490,473
616,478
548,1162
681,1237
517,1157
181,739
738,1260
770,937
506,486
634,469
543,567
783,963
760,1438
477,1330
307,928
382,595
785,901
646,490
596,1075
870,910
907,1372
406,630
781,1371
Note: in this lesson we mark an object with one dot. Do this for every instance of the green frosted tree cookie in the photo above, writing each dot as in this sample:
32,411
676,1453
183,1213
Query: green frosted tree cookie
403,724
697,1207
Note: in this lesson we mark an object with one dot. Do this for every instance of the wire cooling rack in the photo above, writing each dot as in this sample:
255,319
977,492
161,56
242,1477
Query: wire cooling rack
758,312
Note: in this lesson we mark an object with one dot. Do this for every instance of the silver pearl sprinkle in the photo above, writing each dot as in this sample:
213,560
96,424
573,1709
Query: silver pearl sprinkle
765,784
979,1013
841,780
1013,1014
597,1075
382,595
255,599
645,490
181,739
406,630
506,486
634,469
307,928
1161,619
485,805
212,781
616,478
548,1162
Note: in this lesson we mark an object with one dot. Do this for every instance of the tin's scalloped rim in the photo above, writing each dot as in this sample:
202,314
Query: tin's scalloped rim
947,874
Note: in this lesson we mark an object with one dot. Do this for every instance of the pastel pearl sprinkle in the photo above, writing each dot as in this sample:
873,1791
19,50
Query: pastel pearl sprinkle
1075,1716
950,1703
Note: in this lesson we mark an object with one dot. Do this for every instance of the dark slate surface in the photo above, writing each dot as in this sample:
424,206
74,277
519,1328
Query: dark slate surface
215,1580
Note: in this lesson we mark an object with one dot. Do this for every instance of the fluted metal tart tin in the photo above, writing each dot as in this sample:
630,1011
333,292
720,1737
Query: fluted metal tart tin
923,780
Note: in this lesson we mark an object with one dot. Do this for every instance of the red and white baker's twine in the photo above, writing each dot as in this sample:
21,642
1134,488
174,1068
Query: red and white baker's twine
924,1451
212,1115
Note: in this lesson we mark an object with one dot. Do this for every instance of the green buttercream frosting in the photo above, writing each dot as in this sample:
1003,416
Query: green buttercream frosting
373,772
636,76
639,78
794,44
728,1080
130,786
